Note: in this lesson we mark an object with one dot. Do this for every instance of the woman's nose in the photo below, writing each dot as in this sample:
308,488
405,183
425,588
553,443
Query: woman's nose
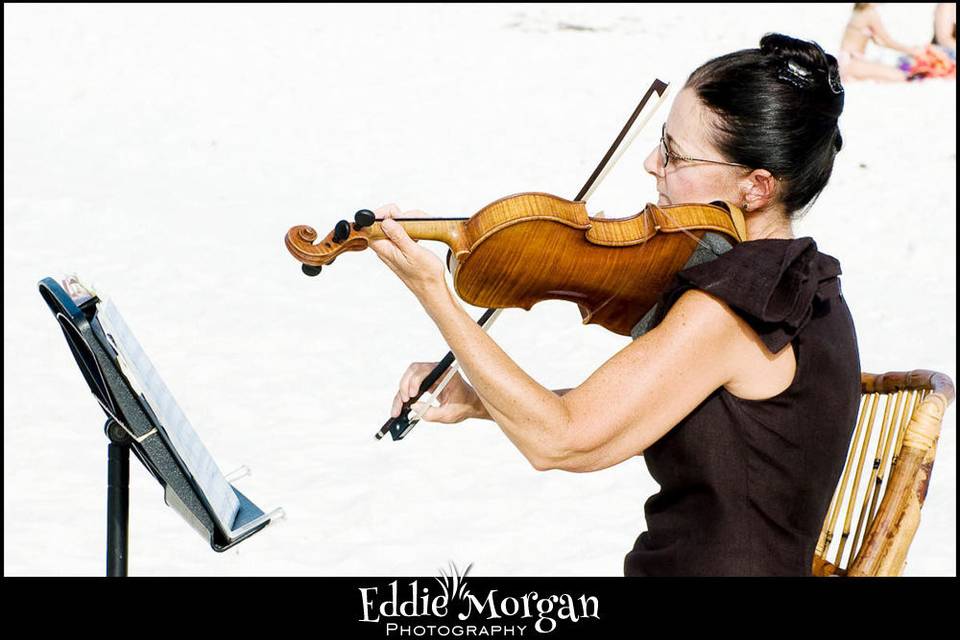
652,163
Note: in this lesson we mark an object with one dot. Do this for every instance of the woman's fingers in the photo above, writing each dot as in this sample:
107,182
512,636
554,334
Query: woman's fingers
412,377
421,370
397,403
404,380
410,383
387,211
427,412
437,410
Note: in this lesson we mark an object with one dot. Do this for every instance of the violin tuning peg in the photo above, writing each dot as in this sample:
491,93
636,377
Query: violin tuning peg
363,218
310,270
341,232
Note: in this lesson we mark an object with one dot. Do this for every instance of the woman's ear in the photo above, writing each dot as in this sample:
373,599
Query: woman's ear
758,190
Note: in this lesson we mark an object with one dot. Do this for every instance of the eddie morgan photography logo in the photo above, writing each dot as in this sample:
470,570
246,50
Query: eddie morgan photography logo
451,609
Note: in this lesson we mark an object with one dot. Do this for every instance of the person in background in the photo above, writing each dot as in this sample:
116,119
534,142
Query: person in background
945,28
866,26
939,58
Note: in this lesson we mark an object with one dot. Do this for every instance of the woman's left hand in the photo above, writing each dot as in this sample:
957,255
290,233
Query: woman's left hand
419,268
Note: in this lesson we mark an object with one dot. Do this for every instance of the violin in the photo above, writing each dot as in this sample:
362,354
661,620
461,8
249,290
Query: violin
530,247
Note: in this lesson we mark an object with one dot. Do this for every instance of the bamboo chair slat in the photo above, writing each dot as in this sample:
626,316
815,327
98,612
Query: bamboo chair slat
903,452
857,475
826,536
881,460
885,426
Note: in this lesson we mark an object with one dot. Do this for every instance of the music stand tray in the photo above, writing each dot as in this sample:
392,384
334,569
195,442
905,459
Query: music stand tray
143,416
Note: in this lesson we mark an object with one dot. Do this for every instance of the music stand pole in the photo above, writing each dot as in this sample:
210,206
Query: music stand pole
118,498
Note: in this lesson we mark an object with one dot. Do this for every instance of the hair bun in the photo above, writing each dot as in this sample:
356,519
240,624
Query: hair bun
803,64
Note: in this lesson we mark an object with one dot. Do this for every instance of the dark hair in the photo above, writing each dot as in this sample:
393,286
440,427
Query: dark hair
776,108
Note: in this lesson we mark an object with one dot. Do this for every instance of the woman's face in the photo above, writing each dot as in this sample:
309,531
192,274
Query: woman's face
683,181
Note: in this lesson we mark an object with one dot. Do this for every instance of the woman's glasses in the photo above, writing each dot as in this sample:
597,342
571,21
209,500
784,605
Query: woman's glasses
666,155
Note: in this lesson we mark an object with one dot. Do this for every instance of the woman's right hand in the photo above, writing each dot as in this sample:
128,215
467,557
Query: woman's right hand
458,400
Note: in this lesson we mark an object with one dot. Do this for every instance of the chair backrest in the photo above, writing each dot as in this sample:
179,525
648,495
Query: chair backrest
871,523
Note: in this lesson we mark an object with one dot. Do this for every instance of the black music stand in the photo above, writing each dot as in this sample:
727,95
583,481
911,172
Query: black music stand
142,416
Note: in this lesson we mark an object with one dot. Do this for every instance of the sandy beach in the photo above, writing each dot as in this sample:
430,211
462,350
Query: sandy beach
162,152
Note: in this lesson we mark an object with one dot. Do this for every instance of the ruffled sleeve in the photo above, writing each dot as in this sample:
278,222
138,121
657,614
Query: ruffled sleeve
772,284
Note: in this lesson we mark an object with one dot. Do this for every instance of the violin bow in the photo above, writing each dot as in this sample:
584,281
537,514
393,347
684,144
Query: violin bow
401,425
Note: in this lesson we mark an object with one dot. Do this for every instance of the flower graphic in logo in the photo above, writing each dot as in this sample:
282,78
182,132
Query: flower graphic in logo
454,584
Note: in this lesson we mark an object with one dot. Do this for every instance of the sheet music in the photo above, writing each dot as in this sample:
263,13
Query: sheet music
139,371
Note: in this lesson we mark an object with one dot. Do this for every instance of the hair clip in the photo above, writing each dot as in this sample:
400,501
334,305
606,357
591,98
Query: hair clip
797,75
833,79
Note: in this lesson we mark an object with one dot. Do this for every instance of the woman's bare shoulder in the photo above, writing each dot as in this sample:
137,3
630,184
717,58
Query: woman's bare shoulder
755,372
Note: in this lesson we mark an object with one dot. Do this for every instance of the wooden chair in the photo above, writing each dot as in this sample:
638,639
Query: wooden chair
912,405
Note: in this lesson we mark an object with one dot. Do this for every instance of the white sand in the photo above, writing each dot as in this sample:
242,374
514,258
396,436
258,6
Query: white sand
163,152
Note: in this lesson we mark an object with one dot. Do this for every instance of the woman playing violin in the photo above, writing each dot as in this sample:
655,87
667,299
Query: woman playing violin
742,397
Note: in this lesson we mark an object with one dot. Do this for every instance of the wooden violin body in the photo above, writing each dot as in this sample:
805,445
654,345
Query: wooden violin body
530,247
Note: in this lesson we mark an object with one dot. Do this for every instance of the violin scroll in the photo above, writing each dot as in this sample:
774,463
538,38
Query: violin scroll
300,241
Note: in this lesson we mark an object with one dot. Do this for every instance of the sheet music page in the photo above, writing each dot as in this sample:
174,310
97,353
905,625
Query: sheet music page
139,371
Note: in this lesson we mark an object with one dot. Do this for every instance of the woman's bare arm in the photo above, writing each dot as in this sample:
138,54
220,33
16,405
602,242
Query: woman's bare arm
627,404
482,414
645,389
944,23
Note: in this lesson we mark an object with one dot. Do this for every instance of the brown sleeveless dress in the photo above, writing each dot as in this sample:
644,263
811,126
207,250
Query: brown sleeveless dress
745,484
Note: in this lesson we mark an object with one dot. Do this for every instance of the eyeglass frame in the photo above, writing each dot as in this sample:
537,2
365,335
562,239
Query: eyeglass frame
667,154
